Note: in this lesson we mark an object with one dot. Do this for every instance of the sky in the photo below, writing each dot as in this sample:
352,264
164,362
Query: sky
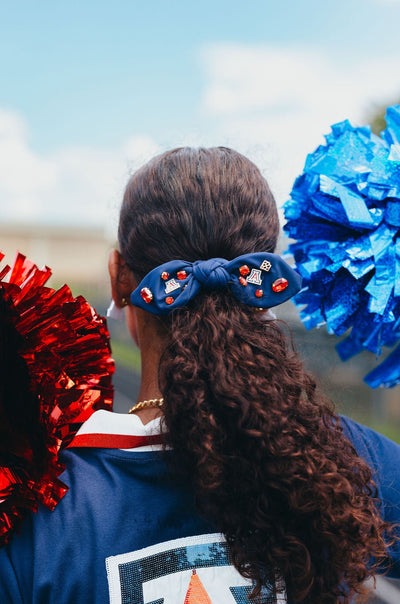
90,90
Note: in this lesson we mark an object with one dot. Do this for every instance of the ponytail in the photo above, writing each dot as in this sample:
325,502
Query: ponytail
262,450
264,453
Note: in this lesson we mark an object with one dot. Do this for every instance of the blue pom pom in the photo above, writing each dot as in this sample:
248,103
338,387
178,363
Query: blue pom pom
344,214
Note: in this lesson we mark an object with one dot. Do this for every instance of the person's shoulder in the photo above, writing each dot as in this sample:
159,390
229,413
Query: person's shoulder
18,553
9,584
380,452
361,435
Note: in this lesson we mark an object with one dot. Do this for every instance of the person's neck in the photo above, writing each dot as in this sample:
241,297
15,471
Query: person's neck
149,388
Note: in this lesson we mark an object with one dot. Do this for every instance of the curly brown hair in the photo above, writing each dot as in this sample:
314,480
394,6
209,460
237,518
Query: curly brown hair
261,448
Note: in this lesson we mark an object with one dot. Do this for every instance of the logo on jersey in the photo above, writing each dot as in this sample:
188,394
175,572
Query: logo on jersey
193,570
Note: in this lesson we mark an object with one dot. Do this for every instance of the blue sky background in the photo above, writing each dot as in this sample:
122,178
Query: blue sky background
90,90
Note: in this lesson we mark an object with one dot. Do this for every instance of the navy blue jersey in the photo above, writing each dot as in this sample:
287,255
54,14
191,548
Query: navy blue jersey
127,531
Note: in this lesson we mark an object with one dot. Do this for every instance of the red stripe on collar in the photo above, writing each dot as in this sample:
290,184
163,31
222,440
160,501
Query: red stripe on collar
114,441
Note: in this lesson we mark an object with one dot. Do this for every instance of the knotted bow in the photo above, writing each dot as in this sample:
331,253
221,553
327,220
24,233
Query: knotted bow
211,273
261,280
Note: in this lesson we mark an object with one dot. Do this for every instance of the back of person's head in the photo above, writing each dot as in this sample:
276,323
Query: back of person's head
263,452
196,204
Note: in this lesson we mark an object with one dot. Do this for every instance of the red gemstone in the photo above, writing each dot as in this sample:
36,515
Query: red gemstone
242,281
181,275
146,294
259,293
280,284
164,275
244,270
169,300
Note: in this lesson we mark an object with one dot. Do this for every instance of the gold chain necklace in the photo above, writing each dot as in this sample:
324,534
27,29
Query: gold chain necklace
153,402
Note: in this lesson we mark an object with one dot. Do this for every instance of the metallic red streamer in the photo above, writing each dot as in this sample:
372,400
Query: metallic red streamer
67,351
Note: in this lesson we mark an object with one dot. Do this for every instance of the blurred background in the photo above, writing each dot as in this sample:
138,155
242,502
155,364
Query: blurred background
91,90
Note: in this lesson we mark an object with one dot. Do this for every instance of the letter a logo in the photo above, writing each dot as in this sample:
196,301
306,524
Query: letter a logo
171,286
255,277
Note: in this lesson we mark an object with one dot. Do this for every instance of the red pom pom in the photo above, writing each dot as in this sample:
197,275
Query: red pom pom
66,352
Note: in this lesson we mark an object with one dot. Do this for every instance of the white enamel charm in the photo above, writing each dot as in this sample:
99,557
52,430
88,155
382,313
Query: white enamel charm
266,266
255,277
171,286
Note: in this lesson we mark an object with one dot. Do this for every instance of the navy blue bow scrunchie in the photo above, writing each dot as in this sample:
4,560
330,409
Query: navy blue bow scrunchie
261,280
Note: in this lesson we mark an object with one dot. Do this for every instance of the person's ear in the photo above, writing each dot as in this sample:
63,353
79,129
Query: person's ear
121,279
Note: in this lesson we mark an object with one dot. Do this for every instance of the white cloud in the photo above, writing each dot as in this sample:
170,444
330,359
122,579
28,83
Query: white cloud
73,185
19,166
276,103
294,82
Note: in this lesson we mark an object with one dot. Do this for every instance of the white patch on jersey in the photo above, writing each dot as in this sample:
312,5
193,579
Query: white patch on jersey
215,580
162,573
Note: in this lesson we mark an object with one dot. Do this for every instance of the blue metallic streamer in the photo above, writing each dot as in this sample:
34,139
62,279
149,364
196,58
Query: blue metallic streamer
344,215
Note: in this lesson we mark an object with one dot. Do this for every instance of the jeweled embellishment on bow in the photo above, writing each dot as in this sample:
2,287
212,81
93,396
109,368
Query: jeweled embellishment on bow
171,286
279,285
266,266
255,277
146,294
